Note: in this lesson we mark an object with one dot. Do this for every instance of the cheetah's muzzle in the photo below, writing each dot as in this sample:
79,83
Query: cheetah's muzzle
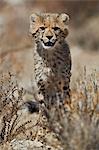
50,44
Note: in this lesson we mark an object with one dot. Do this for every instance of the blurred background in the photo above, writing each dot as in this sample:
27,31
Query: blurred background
16,45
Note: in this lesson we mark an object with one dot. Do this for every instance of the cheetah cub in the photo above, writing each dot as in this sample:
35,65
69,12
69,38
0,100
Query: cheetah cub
52,58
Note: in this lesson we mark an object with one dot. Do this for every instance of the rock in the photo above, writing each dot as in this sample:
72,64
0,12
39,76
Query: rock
28,145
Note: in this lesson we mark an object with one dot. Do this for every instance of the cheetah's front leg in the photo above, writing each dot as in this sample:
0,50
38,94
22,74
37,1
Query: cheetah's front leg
64,92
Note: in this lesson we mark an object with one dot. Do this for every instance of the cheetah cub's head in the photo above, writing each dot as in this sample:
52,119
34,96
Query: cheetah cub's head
49,29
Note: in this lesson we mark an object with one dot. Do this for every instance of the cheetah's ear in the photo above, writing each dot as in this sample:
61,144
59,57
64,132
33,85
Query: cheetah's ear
33,23
33,18
64,18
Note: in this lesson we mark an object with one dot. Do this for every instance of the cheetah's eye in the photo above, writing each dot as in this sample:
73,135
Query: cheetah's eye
42,28
56,28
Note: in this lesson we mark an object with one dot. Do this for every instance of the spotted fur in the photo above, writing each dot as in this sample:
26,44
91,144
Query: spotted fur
52,58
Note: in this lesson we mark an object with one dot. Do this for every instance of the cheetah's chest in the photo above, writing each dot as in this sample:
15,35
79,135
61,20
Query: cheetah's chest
48,67
42,71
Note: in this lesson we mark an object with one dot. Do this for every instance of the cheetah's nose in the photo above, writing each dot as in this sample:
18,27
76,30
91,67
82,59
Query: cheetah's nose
49,37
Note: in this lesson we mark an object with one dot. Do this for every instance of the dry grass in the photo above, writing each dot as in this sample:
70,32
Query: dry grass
78,128
75,128
11,100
